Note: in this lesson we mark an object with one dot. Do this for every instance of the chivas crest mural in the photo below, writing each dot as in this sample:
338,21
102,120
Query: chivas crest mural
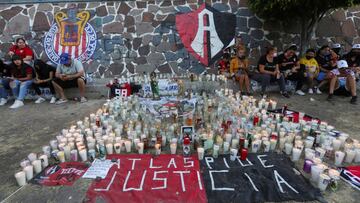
70,34
206,32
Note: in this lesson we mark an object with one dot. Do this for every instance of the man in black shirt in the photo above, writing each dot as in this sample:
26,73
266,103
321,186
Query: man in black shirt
44,76
289,66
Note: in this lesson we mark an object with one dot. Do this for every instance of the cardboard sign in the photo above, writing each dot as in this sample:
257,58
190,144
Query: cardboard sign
63,174
99,168
144,178
267,177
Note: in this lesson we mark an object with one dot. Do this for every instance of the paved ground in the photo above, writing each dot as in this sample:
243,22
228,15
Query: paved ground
25,130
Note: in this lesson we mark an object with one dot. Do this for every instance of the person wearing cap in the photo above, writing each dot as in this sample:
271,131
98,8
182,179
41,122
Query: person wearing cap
21,49
69,73
353,59
289,66
311,69
337,49
19,82
343,82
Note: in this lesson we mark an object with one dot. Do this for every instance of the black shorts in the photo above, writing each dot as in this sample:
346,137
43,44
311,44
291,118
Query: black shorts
68,83
342,91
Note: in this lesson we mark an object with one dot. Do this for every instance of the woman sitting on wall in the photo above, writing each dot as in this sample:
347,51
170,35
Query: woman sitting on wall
22,49
239,68
268,71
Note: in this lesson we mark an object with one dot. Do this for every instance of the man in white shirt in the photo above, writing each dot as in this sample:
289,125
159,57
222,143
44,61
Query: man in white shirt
69,73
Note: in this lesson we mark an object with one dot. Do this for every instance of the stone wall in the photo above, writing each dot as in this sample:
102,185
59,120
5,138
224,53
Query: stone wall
141,36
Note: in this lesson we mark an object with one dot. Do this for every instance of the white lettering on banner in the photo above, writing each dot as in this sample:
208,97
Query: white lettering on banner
280,180
208,160
199,180
131,188
151,164
243,165
263,161
198,43
252,183
108,186
191,162
160,179
182,178
133,163
172,162
226,163
212,180
71,170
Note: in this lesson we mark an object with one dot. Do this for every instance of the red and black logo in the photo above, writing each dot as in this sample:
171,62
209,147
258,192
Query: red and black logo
206,32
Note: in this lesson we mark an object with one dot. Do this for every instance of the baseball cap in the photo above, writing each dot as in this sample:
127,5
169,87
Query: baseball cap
336,46
65,58
356,46
342,64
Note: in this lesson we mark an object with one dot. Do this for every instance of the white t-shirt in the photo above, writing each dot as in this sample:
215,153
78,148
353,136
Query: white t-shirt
75,67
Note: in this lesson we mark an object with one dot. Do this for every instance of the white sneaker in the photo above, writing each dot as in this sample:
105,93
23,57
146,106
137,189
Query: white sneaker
311,91
17,104
61,101
299,92
53,100
39,100
3,101
318,91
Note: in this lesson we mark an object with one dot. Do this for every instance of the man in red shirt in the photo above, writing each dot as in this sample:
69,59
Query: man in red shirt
22,49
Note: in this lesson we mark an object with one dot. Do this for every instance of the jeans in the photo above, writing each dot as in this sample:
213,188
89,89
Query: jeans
266,79
20,89
4,87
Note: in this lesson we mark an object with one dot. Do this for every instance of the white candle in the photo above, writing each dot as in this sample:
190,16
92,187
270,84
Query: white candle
324,180
255,146
117,147
339,157
37,166
29,172
32,157
273,105
200,152
334,174
226,147
273,143
309,153
296,154
83,154
320,152
61,156
128,146
288,148
357,157
228,138
173,147
336,144
74,155
234,143
282,143
20,178
233,154
266,146
215,153
46,150
157,149
109,148
316,170
44,161
140,147
67,152
350,155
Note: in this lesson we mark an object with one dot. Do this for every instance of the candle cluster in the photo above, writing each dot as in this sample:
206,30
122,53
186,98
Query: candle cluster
224,123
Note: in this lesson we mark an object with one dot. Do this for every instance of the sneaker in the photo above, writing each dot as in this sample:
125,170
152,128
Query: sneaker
285,94
39,100
83,99
310,91
52,100
17,104
330,97
353,100
299,92
318,91
60,101
3,101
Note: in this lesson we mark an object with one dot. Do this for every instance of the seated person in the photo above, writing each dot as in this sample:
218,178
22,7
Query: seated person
239,68
326,59
4,70
337,49
268,71
289,66
311,69
343,82
22,49
69,73
19,82
223,65
44,76
353,59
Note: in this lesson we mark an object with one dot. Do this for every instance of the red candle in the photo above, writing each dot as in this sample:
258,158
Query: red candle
243,155
256,120
241,143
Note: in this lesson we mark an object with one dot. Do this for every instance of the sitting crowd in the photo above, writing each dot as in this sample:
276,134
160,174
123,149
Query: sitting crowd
24,73
324,69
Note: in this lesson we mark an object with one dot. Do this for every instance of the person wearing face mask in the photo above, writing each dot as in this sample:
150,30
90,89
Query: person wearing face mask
21,49
311,69
353,59
268,71
289,66
239,68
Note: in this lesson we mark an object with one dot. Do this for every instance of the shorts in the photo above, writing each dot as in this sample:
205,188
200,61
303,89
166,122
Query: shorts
342,91
68,83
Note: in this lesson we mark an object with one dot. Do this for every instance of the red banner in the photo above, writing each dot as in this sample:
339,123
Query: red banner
144,178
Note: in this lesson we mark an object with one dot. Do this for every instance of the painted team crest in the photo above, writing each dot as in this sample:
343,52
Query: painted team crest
70,34
206,32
